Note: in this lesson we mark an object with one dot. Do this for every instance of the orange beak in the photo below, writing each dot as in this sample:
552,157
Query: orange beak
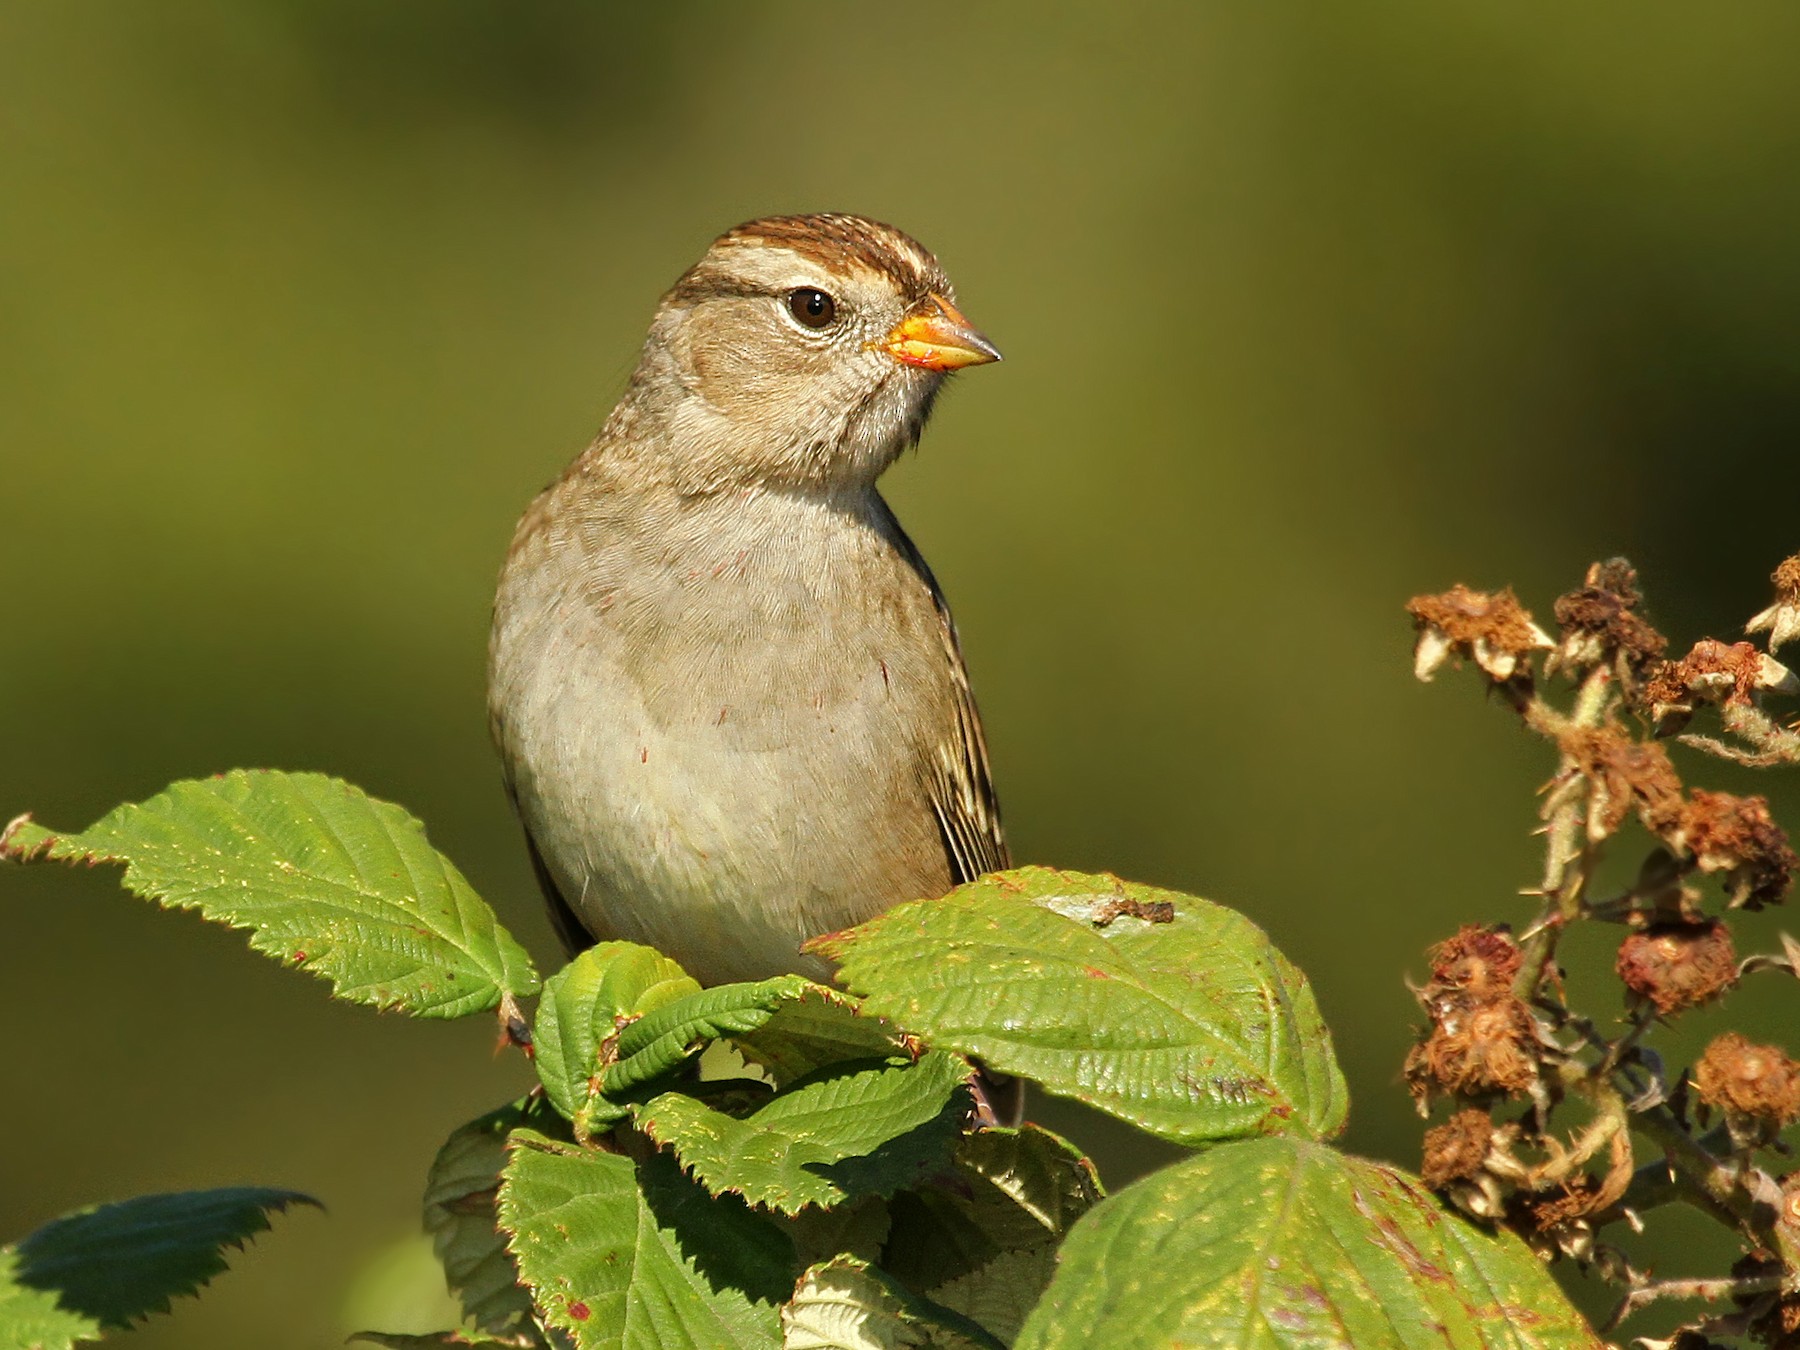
936,336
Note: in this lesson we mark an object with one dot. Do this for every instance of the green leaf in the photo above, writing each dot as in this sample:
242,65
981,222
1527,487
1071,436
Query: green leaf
580,1011
1287,1242
325,878
460,1195
634,1255
866,1127
846,1304
442,1340
1173,1013
819,1028
677,1031
1009,1191
858,1228
1001,1294
33,1319
107,1266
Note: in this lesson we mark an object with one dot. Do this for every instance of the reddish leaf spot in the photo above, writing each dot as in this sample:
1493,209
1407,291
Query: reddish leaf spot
579,1311
1095,973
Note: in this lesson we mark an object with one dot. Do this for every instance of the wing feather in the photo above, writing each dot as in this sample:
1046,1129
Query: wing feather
958,782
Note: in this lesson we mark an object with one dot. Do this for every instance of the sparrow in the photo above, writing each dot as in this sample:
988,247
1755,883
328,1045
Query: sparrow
726,689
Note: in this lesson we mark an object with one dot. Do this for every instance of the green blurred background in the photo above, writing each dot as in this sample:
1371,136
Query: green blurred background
301,301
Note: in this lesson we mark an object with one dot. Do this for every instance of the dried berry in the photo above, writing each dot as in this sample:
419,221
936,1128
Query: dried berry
1575,1198
1482,1040
1490,627
1556,1221
1474,1051
1623,775
1455,1150
1678,965
1714,672
1754,1082
1599,623
1789,1216
1781,619
1478,962
1738,837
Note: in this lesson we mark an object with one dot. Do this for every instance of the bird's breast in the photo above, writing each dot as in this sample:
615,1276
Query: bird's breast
722,730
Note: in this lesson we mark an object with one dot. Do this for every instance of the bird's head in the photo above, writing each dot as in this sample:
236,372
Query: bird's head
804,352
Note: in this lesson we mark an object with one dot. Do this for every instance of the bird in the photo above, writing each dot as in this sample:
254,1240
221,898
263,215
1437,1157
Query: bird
728,694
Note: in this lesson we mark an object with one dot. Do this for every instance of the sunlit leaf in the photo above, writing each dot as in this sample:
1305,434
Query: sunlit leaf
443,1340
325,878
635,1255
677,1031
1287,1242
1001,1294
35,1319
1170,1012
582,1008
820,1027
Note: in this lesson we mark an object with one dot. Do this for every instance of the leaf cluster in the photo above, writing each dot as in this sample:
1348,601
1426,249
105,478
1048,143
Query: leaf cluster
786,1163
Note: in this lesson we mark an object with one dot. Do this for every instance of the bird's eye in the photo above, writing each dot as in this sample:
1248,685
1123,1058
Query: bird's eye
814,309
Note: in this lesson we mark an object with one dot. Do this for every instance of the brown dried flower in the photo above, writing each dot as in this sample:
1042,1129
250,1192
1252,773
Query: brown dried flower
1575,1198
1558,1217
1781,619
1738,837
1482,1039
1599,622
1456,1150
1478,963
1623,773
1555,1221
1489,626
1743,1079
1474,1050
1714,672
1678,965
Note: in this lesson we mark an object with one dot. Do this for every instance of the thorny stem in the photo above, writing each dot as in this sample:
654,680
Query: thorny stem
1641,1022
1657,1183
1706,1289
1706,1180
1776,744
1565,843
1609,1119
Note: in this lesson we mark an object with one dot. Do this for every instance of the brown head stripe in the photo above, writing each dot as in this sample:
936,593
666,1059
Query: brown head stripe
826,239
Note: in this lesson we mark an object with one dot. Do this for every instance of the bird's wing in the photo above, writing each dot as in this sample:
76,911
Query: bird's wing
957,779
563,918
962,791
